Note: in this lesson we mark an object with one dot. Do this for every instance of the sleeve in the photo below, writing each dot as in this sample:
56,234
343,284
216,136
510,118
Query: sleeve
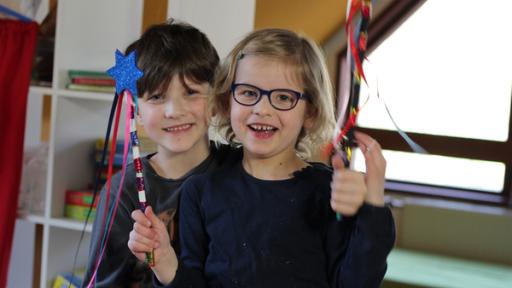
118,264
193,239
357,247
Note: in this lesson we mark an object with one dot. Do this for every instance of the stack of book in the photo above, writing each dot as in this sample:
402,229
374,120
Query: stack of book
77,203
118,159
93,81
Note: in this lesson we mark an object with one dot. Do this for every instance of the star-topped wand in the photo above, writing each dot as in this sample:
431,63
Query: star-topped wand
126,74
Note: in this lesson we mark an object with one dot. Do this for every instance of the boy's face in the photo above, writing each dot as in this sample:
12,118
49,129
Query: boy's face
263,130
176,118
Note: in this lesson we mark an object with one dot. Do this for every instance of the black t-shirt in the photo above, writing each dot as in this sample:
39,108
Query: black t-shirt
119,267
240,231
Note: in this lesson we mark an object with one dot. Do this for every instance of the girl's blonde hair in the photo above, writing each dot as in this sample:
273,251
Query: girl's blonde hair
291,49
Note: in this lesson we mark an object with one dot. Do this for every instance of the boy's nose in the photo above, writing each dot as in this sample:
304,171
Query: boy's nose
174,108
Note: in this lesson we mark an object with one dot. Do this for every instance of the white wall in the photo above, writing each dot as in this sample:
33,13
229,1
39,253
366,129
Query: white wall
224,21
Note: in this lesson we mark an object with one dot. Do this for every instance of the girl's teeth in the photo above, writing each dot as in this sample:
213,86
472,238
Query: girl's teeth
262,127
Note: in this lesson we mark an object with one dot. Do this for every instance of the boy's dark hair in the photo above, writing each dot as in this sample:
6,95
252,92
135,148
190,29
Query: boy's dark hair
173,48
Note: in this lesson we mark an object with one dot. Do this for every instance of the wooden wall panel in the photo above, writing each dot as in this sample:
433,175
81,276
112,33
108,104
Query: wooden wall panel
317,19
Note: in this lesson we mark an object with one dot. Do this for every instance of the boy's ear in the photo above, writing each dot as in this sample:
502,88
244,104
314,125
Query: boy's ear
138,118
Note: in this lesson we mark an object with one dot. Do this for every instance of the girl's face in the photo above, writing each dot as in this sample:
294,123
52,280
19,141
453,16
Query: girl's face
264,131
176,118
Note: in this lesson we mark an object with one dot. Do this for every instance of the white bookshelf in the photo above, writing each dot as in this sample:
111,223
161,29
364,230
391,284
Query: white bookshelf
87,35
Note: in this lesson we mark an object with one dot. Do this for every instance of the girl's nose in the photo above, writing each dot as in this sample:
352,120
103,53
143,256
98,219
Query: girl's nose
263,107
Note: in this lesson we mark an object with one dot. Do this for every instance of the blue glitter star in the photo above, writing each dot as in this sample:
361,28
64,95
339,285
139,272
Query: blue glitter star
125,73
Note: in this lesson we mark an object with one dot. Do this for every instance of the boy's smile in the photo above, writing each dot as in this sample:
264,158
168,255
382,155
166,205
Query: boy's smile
178,128
176,118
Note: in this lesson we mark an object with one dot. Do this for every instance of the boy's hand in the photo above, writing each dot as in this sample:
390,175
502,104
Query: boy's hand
149,233
350,189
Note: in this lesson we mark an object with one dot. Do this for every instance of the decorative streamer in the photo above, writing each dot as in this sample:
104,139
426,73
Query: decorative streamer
357,37
96,184
344,137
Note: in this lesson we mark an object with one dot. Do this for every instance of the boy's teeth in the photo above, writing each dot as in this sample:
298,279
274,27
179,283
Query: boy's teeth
177,128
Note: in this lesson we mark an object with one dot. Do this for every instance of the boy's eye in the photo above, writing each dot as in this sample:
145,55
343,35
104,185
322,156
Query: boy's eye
192,91
155,97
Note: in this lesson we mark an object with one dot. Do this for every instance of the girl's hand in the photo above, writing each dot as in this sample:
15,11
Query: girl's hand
375,168
350,189
150,234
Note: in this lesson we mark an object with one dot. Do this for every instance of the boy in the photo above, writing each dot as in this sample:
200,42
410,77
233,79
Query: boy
178,62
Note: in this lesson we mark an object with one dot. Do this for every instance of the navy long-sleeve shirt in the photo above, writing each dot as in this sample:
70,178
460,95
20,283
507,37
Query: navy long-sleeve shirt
120,268
240,231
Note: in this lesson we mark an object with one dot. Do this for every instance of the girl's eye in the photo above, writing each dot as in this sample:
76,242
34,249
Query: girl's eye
249,93
283,97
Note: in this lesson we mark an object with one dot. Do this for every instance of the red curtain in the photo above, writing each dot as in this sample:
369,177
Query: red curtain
17,46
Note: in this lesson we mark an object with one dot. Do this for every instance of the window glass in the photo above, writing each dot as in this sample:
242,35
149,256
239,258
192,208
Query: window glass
437,170
447,70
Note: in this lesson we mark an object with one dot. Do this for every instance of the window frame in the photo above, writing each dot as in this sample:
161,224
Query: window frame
380,28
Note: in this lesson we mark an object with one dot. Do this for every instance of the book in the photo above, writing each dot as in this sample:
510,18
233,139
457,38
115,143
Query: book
93,81
87,73
66,280
78,212
91,88
118,158
100,142
80,198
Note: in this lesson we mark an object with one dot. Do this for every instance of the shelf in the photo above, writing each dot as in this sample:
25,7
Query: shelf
41,90
85,95
34,218
60,222
71,224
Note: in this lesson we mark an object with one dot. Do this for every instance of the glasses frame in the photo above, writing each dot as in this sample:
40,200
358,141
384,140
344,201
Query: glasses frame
263,92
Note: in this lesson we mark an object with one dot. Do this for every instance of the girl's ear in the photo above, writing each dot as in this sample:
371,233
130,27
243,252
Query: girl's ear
310,117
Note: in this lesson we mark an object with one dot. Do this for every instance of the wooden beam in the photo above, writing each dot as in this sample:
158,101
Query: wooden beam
38,248
45,121
155,11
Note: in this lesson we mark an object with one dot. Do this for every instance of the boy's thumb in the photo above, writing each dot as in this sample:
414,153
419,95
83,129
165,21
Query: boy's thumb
337,162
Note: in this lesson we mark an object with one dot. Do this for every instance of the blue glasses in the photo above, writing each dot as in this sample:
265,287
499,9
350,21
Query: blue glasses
280,99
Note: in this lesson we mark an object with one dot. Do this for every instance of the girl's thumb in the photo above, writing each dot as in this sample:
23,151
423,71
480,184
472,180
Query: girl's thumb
337,162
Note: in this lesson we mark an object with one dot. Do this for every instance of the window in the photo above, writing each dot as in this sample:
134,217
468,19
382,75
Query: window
444,69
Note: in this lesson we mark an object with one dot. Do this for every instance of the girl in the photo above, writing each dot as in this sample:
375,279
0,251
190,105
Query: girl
270,219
